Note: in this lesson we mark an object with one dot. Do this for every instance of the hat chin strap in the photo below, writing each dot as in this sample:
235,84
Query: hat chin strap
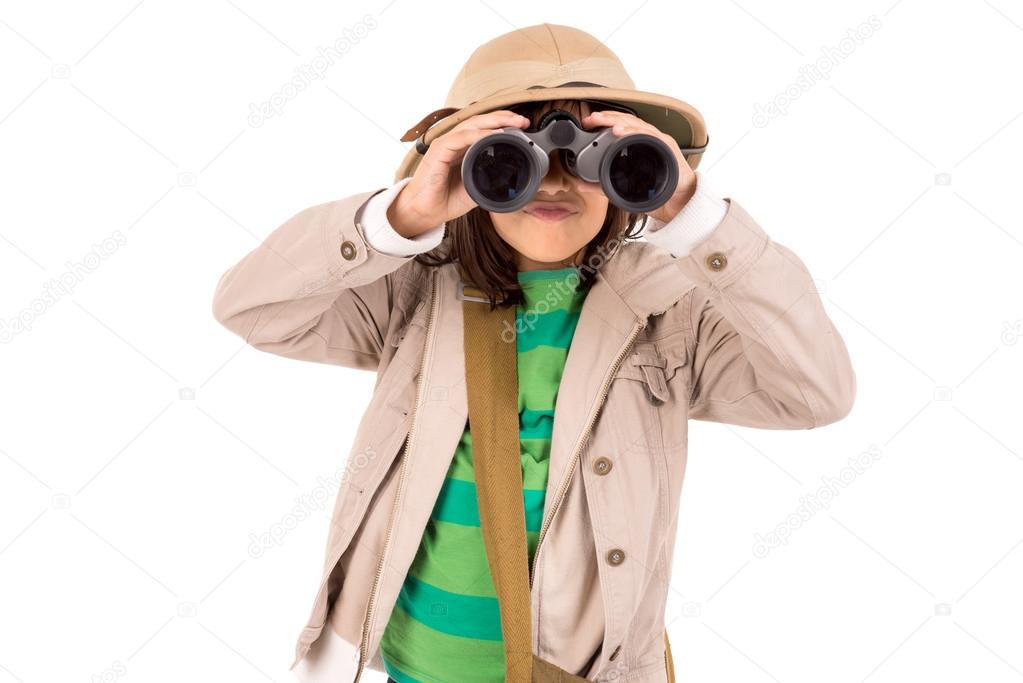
427,121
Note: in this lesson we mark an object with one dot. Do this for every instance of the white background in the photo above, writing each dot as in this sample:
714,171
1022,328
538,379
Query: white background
143,447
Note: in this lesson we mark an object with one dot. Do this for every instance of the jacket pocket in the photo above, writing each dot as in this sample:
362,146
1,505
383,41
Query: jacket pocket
364,470
649,388
403,373
417,317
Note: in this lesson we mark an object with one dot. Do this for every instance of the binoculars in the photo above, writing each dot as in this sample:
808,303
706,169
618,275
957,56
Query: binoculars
502,171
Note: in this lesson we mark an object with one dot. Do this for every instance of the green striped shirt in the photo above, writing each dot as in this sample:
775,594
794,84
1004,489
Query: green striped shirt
446,625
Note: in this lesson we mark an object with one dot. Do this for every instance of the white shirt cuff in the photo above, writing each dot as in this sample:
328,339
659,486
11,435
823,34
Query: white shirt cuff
693,224
383,237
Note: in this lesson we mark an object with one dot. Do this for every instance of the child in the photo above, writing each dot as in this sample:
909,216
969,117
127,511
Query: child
618,343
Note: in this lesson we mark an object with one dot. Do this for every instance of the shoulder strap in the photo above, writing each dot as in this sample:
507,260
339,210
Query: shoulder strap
491,383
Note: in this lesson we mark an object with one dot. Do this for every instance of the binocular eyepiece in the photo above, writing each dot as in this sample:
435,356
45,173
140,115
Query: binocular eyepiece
502,171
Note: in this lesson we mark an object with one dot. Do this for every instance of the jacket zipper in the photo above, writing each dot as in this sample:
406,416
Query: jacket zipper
366,625
567,478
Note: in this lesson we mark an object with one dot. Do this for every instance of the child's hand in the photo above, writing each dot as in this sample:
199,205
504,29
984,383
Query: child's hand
435,194
623,123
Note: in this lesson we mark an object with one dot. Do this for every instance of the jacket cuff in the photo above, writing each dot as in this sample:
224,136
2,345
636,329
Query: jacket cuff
382,236
693,224
729,252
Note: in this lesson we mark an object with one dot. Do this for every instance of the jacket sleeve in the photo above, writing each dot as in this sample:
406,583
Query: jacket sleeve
765,353
316,289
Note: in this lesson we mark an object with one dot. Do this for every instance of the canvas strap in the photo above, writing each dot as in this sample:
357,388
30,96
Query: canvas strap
491,382
427,121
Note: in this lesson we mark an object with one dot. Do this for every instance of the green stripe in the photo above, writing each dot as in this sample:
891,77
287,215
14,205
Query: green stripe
449,558
536,424
468,616
453,557
555,331
457,504
431,656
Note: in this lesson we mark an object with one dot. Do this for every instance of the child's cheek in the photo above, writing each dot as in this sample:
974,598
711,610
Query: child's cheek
586,188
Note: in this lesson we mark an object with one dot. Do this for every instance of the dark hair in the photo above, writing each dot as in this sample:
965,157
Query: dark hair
488,262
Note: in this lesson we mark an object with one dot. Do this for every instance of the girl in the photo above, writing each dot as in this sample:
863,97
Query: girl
618,342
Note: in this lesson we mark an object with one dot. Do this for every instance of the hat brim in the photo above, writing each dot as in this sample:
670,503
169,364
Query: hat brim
674,117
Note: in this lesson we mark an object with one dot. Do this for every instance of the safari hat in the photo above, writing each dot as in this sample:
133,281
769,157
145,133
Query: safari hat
550,62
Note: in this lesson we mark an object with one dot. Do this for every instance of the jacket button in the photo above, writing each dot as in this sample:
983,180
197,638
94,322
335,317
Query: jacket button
615,556
602,465
615,653
348,250
717,261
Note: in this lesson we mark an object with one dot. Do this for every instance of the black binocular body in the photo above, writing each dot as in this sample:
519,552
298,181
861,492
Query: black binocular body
502,171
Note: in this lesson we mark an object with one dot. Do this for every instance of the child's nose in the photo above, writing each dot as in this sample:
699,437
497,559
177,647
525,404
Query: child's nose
558,177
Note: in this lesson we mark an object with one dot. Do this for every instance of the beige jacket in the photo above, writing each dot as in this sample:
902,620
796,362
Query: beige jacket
733,332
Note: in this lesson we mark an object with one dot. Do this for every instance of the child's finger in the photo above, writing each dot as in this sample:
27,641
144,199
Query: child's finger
493,119
621,122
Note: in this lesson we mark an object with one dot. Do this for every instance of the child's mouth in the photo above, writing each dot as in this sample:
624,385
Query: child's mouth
551,214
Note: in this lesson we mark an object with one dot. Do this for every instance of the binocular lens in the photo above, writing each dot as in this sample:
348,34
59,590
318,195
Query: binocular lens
501,172
638,172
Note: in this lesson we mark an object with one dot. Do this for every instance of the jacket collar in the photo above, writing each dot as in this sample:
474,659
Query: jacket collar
640,279
646,278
